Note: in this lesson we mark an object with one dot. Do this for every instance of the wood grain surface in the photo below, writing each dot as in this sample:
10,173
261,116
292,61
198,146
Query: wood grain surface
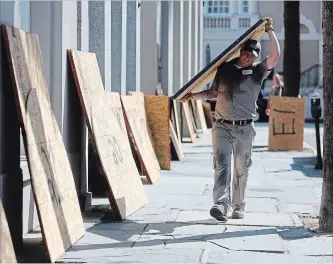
174,117
286,123
135,115
51,175
189,121
208,73
106,125
200,116
158,115
208,114
7,252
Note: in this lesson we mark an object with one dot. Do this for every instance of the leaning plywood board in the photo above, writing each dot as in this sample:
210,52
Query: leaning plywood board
135,116
174,117
158,115
208,114
7,252
189,121
286,123
106,125
208,73
51,175
201,116
176,144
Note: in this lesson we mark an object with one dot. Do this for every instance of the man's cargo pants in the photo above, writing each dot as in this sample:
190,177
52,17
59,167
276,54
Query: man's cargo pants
228,139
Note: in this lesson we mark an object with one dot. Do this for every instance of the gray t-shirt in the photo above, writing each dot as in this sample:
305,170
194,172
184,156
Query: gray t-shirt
238,89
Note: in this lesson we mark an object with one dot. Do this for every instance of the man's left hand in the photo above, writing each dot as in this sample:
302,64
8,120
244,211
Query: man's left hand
269,24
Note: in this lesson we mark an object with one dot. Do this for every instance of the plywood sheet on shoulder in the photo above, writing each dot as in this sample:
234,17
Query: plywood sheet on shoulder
286,123
207,74
7,252
135,115
51,175
106,125
158,115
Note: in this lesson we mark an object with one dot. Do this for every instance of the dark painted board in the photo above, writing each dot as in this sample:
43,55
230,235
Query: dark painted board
208,73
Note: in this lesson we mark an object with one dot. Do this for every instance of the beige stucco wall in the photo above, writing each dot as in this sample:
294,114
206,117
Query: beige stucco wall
309,53
274,9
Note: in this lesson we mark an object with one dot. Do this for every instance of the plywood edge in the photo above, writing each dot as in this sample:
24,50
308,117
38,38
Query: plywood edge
157,109
206,75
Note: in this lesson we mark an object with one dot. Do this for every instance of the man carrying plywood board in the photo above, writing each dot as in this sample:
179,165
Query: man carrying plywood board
236,86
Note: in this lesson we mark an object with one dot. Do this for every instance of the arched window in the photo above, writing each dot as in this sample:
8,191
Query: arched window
303,29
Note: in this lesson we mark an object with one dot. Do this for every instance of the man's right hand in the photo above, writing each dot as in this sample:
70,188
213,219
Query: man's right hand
186,98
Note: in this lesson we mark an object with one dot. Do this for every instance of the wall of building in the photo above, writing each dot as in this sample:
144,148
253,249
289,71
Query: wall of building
311,40
126,37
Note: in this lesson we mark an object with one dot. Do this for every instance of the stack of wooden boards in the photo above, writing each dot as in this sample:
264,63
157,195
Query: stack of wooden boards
115,123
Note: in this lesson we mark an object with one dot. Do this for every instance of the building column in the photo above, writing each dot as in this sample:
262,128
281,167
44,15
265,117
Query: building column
167,47
196,36
118,45
56,25
190,40
124,47
186,51
178,39
138,46
200,37
148,60
11,183
83,45
100,37
131,56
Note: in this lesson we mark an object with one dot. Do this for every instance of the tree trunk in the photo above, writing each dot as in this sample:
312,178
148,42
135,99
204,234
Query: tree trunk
326,208
291,53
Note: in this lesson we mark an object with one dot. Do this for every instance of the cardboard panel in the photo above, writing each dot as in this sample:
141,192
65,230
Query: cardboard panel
208,73
158,116
136,123
106,125
50,171
189,121
7,252
286,123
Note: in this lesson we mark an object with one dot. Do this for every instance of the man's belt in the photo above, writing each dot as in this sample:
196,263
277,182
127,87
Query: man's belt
236,122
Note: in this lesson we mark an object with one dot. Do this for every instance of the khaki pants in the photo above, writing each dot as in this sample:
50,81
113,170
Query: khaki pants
228,140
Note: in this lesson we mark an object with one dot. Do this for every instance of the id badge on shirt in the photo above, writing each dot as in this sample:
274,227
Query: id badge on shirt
247,72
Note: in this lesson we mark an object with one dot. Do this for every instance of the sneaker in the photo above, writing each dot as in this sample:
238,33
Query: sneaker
219,212
238,214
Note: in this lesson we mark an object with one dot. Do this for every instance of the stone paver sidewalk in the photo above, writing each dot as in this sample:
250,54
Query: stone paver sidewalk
175,227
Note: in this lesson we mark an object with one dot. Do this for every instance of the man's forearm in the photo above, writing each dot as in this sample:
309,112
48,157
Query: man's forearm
204,95
274,48
273,44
